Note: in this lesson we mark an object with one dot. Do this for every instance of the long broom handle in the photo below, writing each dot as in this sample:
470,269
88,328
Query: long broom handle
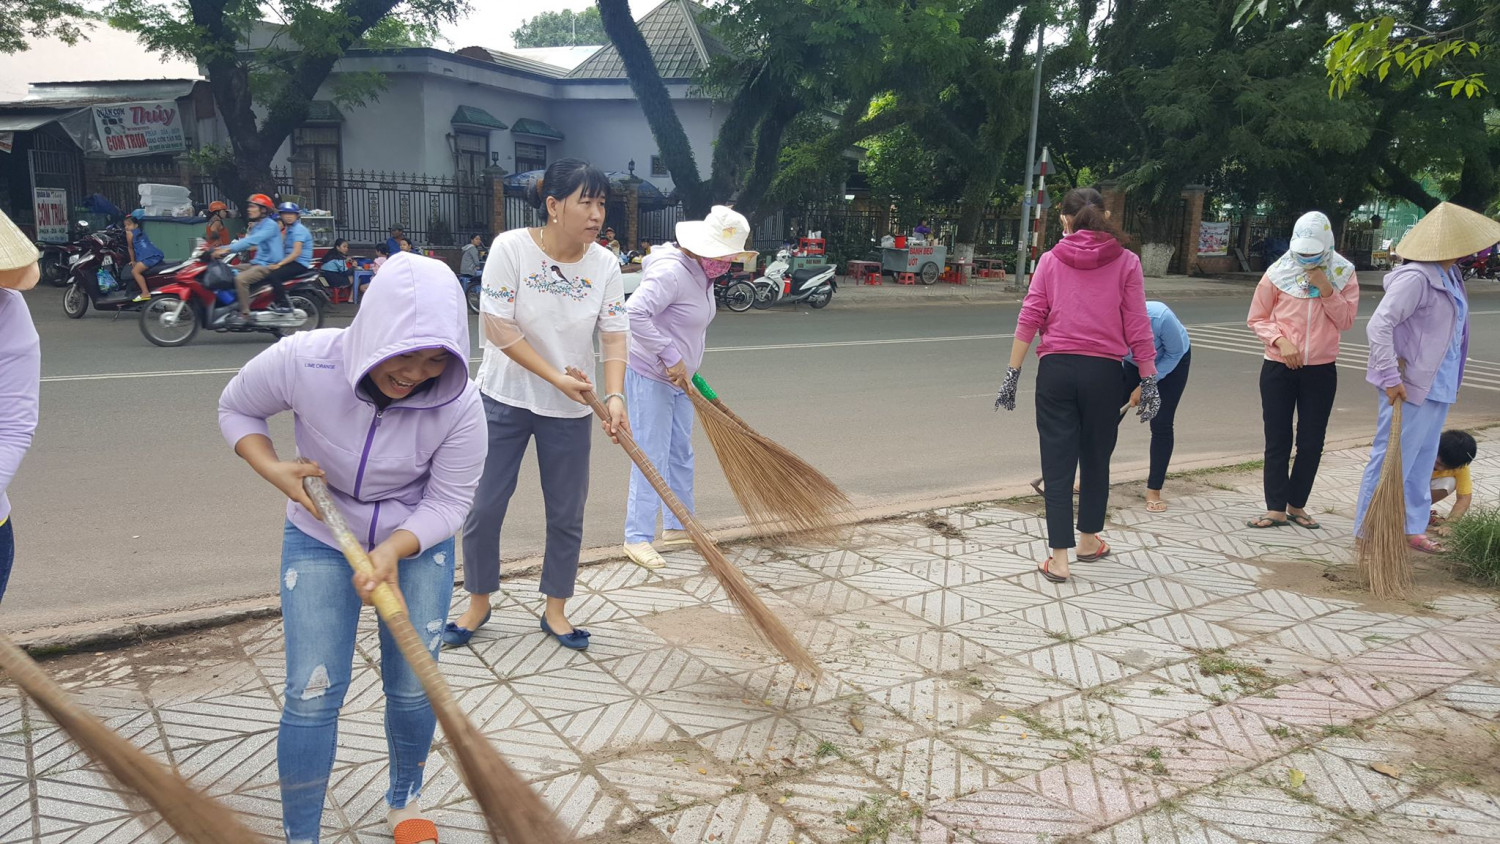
190,812
708,392
528,819
754,606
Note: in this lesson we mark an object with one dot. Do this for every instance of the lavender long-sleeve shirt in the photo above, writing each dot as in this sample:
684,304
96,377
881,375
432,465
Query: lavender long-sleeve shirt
20,387
669,314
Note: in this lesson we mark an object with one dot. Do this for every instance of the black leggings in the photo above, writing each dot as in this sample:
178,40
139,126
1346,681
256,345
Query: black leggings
1308,393
1077,419
1163,440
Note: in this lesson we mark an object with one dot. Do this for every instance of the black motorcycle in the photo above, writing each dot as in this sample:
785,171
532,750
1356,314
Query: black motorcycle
735,292
471,285
56,257
99,275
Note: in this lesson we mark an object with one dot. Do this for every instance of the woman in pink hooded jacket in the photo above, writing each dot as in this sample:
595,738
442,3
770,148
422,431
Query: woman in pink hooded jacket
1088,301
386,410
1305,301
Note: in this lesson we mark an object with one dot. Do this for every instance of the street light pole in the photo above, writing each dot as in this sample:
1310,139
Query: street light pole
1029,199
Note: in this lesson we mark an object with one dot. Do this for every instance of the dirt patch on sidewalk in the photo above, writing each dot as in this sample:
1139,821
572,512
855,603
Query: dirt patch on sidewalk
704,627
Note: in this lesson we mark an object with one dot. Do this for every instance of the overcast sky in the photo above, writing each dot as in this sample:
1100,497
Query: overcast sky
492,21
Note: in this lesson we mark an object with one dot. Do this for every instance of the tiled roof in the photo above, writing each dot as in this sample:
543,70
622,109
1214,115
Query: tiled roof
324,111
679,42
475,116
539,128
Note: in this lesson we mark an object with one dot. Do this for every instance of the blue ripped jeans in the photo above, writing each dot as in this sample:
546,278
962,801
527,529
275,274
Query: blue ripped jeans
320,614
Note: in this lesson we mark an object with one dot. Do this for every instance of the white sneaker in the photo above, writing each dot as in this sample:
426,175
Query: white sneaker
643,555
671,540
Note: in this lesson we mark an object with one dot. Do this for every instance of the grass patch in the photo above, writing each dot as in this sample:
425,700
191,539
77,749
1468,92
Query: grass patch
873,820
827,749
1342,731
1281,732
1251,678
1061,637
973,682
1475,545
1237,468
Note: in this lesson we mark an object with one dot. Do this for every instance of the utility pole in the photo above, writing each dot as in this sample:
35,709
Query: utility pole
1028,199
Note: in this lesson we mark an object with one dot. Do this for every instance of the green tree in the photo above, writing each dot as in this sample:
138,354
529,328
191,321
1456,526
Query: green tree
21,20
561,29
789,60
263,94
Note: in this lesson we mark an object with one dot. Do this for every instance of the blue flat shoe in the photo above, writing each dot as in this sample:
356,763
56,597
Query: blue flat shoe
578,640
455,636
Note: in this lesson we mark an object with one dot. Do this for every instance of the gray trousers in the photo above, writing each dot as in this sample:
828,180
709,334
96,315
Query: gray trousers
562,453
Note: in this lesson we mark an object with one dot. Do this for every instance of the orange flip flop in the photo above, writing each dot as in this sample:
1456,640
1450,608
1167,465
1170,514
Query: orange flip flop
415,830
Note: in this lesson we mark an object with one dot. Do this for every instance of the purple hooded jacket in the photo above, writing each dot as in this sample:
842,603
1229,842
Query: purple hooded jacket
20,385
1414,325
414,465
669,314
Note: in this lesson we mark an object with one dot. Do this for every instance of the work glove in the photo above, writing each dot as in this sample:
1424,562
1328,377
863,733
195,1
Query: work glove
1007,397
1150,399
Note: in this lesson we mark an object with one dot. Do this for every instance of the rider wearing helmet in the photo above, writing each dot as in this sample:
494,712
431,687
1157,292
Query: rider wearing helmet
297,252
217,234
264,236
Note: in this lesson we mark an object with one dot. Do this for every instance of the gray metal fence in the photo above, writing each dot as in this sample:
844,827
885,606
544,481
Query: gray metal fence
433,210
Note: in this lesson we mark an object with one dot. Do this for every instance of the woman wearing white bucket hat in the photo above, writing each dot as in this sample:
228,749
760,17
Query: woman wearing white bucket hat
669,317
20,372
1419,340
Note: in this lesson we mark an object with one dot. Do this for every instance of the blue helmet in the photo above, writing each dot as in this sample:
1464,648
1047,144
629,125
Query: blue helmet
138,214
289,208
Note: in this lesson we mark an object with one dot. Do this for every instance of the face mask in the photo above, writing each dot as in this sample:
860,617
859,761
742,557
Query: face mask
714,267
1307,260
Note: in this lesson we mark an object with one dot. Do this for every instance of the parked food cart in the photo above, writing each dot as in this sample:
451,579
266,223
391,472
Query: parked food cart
923,261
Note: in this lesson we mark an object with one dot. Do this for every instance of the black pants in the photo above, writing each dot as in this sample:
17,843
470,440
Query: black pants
337,279
1308,393
1163,439
1077,418
278,279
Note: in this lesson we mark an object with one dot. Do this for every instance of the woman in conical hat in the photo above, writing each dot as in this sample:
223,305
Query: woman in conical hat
1419,340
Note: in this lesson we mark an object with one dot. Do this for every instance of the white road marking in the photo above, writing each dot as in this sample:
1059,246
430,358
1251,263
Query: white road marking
770,347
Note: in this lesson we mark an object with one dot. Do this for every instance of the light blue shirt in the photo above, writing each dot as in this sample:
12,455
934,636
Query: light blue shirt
298,233
1445,382
1171,339
265,237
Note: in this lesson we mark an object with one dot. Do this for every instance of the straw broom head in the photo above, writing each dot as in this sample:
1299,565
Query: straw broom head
511,809
1384,561
190,812
766,624
780,493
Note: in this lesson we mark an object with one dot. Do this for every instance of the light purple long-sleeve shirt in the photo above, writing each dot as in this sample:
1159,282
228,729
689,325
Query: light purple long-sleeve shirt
412,466
20,387
1412,329
669,314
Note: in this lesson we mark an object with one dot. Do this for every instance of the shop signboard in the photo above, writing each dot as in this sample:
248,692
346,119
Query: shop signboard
146,128
51,207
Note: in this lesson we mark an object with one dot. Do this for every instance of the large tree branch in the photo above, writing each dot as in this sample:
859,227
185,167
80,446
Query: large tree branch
1397,182
310,69
656,103
733,152
767,155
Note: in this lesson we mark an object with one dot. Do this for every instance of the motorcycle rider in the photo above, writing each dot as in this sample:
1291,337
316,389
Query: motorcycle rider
264,236
297,254
216,234
473,256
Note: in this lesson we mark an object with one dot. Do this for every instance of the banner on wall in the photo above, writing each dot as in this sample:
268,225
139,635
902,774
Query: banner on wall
1213,239
140,128
7,141
51,207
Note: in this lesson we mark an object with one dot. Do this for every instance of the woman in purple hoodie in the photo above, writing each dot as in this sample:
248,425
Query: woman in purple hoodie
387,412
669,317
1088,300
1419,342
20,372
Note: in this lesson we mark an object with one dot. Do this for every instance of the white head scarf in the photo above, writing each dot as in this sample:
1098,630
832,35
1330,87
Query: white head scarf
1290,276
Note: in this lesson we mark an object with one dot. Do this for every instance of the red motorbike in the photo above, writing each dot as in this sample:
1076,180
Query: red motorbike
202,295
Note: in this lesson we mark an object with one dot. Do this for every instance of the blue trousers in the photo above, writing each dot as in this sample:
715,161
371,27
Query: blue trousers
1421,428
661,418
320,614
7,553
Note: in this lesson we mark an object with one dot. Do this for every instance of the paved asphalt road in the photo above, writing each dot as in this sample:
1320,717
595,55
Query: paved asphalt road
130,502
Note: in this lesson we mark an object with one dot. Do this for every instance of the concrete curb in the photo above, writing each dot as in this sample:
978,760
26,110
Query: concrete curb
123,632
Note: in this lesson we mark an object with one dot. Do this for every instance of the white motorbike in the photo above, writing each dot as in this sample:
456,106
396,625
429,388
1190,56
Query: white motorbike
814,285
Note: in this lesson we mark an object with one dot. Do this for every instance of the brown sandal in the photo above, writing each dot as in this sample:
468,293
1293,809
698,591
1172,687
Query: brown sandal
1097,555
1047,572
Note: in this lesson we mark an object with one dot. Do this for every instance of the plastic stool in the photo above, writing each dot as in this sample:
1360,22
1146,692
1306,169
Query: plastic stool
906,278
872,276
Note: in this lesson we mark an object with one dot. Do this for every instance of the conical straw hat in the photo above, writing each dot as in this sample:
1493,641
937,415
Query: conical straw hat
1447,233
15,250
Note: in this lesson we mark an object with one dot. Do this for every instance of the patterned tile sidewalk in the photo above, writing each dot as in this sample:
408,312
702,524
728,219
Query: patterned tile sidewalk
1206,684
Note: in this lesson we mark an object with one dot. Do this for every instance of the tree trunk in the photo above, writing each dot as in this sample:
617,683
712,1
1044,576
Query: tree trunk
656,103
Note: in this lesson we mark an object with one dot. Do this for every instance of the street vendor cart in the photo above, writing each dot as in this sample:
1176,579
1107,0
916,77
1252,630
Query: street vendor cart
924,261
